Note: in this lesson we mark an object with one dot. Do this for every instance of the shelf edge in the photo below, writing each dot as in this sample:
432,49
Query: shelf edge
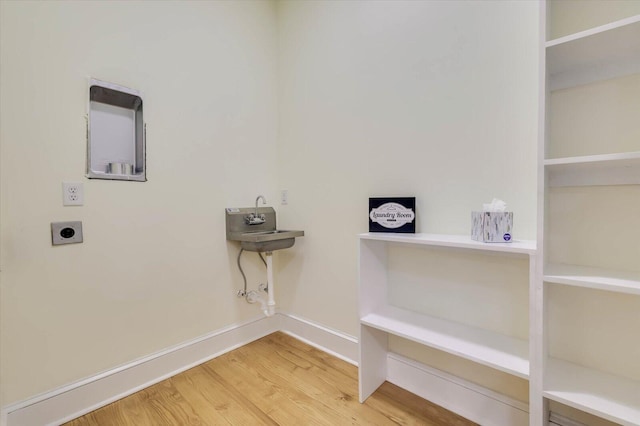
525,247
593,159
593,31
518,372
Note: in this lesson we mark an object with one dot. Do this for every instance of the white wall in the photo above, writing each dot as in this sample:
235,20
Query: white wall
155,269
436,100
334,101
432,99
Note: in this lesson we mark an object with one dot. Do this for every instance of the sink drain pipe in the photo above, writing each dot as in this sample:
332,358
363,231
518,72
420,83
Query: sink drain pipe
268,307
271,304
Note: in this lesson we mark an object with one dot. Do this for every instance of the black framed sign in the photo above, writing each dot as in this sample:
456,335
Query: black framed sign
392,214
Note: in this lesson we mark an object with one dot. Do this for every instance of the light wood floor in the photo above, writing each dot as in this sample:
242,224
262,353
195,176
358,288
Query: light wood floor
276,380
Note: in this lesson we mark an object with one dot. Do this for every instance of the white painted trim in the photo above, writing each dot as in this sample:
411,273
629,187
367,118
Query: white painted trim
66,403
556,419
334,342
467,399
76,399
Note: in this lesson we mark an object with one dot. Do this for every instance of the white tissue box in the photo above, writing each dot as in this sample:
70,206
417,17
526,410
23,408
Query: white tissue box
491,227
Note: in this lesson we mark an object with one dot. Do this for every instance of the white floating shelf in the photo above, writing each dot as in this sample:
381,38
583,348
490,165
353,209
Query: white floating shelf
600,53
596,278
454,241
488,348
611,397
622,159
606,169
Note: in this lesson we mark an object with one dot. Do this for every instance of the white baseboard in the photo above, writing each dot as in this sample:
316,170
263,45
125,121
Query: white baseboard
467,399
336,343
58,406
74,400
71,401
556,419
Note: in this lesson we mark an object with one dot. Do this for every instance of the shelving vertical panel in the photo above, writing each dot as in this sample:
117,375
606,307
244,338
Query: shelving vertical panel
538,406
373,275
372,366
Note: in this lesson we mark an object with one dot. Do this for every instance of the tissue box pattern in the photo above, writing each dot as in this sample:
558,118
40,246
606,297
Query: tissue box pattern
491,227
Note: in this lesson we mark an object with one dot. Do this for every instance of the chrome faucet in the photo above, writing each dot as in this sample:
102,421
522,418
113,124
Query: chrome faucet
255,218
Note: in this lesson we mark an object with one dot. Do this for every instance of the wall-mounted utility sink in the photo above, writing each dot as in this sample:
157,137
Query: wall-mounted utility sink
267,240
262,235
255,229
276,234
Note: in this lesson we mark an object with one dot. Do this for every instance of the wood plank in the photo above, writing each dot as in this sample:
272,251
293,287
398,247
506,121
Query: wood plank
217,403
334,392
321,359
232,393
413,407
277,380
126,412
165,405
283,404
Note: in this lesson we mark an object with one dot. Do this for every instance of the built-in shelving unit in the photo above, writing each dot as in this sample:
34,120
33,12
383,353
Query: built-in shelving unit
584,269
379,318
590,384
610,397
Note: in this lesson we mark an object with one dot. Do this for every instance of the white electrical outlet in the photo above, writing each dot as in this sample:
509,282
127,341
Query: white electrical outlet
72,194
284,197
